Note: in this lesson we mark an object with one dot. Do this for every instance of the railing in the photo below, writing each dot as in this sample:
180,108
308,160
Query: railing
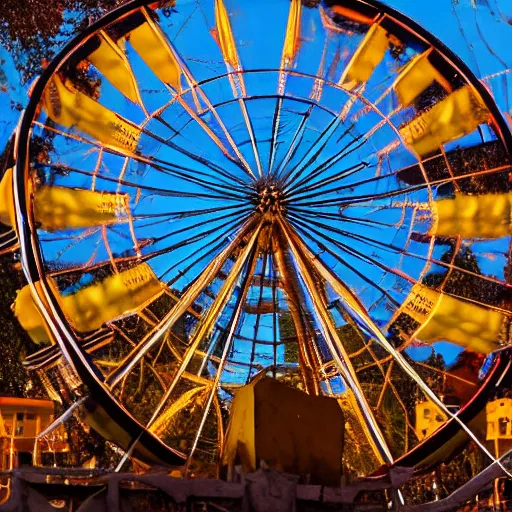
261,491
54,442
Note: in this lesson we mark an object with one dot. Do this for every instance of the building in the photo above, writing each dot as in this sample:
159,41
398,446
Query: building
21,421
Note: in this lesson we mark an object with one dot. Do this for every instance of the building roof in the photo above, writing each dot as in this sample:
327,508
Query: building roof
25,403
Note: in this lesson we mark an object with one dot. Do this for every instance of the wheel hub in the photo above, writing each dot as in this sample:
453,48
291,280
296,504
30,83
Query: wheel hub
270,197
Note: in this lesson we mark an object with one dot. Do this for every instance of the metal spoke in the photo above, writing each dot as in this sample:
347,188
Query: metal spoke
344,173
296,301
178,96
290,47
294,144
207,322
140,158
375,242
304,230
303,261
186,300
266,258
352,304
311,154
223,236
155,190
403,191
231,329
238,214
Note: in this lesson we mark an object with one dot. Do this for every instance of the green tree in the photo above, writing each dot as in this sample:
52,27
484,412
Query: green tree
464,281
32,30
14,341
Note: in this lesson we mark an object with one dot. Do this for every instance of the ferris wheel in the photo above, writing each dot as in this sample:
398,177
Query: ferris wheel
318,192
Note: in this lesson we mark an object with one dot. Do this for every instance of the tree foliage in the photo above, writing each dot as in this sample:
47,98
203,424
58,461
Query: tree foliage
32,30
14,341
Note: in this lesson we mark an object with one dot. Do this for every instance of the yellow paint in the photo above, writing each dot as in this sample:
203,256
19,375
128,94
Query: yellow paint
117,295
110,60
482,216
367,57
92,306
429,418
499,419
71,108
241,427
459,114
225,33
29,317
7,215
446,318
58,208
415,77
152,46
292,36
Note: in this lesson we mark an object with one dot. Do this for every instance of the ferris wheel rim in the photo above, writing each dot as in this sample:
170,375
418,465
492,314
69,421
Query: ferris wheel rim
31,255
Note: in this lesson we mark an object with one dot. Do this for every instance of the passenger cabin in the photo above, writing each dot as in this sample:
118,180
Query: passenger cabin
277,424
499,424
428,419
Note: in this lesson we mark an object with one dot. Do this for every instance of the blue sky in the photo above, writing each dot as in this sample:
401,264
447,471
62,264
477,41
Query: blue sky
476,31
444,18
